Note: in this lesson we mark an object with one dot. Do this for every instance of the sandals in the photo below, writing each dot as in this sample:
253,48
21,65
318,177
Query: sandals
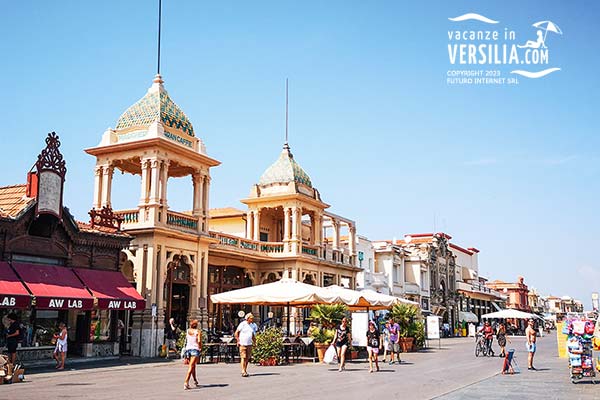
186,386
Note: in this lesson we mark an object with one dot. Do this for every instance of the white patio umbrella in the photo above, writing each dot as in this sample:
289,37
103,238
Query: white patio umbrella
366,299
384,299
509,313
547,26
285,292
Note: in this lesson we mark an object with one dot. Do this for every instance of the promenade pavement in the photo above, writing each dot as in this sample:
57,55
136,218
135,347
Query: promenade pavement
449,372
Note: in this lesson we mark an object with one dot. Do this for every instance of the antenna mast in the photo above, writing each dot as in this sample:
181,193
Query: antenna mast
159,25
286,113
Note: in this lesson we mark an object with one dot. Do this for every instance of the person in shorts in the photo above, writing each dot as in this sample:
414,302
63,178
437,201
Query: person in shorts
60,351
245,335
373,343
394,329
531,335
341,340
13,333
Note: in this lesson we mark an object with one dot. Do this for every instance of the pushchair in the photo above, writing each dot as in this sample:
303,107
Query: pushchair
510,363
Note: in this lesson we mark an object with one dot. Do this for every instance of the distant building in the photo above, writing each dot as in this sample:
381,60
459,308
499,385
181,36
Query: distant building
517,293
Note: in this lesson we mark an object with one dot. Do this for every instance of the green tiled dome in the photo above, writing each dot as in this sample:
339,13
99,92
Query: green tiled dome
285,170
154,104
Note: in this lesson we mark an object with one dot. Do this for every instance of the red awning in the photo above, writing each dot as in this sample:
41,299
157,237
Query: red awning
112,289
54,288
12,292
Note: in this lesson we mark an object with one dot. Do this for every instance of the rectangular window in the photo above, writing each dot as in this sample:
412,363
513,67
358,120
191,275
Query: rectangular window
264,237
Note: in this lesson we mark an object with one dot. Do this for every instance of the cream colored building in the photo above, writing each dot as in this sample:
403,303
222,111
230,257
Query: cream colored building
178,258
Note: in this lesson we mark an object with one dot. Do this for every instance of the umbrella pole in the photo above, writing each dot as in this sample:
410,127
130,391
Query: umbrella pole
288,319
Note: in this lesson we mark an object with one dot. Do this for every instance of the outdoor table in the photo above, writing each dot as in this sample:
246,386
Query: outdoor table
211,347
294,348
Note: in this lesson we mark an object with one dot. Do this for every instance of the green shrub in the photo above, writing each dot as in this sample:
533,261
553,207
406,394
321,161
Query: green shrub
269,344
405,315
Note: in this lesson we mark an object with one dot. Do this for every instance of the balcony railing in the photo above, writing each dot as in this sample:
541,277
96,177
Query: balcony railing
129,216
278,248
182,220
310,250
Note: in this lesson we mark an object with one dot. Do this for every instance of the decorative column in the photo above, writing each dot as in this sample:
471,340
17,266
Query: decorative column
286,224
198,182
294,223
155,181
352,239
336,234
249,222
256,225
107,173
205,187
163,182
98,187
144,195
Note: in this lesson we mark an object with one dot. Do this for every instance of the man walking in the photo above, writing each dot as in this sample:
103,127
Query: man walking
530,333
171,334
246,338
394,341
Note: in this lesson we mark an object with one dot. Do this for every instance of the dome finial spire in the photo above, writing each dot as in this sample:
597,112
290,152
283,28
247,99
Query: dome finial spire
286,145
159,26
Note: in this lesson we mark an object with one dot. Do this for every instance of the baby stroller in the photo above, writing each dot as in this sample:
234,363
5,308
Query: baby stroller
510,363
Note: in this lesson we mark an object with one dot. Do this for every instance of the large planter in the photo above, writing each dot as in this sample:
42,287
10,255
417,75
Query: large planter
406,344
271,361
321,349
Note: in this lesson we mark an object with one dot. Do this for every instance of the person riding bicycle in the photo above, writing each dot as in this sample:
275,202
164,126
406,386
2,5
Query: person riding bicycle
488,335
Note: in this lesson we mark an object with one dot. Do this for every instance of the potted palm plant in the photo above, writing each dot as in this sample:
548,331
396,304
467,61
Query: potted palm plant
325,317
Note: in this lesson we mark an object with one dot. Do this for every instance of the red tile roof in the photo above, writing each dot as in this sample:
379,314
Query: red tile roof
225,212
13,200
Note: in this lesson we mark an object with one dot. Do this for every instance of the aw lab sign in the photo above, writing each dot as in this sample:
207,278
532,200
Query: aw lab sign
16,301
120,304
61,303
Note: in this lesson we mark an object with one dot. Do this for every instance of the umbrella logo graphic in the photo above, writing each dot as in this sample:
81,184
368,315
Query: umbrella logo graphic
540,42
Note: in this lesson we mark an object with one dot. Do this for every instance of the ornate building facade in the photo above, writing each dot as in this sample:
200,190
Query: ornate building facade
180,258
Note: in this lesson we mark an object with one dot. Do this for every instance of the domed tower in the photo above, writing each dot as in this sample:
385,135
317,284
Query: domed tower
277,205
155,140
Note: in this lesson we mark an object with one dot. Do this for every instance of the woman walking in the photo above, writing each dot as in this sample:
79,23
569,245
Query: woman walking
373,346
193,345
501,337
60,351
341,340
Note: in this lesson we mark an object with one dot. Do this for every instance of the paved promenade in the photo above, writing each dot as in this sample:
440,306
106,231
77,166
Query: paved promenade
452,372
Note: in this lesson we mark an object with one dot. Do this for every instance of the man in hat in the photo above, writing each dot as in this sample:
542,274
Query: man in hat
245,335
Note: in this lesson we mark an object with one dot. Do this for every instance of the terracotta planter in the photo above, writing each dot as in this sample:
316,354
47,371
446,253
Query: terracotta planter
321,349
271,361
406,344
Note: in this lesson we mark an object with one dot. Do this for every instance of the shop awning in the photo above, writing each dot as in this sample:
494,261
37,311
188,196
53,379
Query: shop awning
112,289
54,287
467,316
12,292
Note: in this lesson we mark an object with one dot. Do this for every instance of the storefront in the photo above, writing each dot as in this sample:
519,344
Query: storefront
55,269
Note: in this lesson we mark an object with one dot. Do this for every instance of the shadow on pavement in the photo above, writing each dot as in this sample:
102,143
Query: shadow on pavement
265,374
211,385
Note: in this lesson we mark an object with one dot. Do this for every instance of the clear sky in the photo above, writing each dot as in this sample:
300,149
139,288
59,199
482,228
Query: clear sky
511,170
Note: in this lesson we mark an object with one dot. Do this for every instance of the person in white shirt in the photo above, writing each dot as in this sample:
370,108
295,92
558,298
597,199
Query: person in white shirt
245,335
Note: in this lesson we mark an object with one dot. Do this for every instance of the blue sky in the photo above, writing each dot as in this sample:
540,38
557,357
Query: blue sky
511,170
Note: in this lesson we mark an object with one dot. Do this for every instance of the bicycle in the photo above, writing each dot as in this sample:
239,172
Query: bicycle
480,346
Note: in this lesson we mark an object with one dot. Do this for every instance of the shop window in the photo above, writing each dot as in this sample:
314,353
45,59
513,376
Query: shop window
328,280
100,328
